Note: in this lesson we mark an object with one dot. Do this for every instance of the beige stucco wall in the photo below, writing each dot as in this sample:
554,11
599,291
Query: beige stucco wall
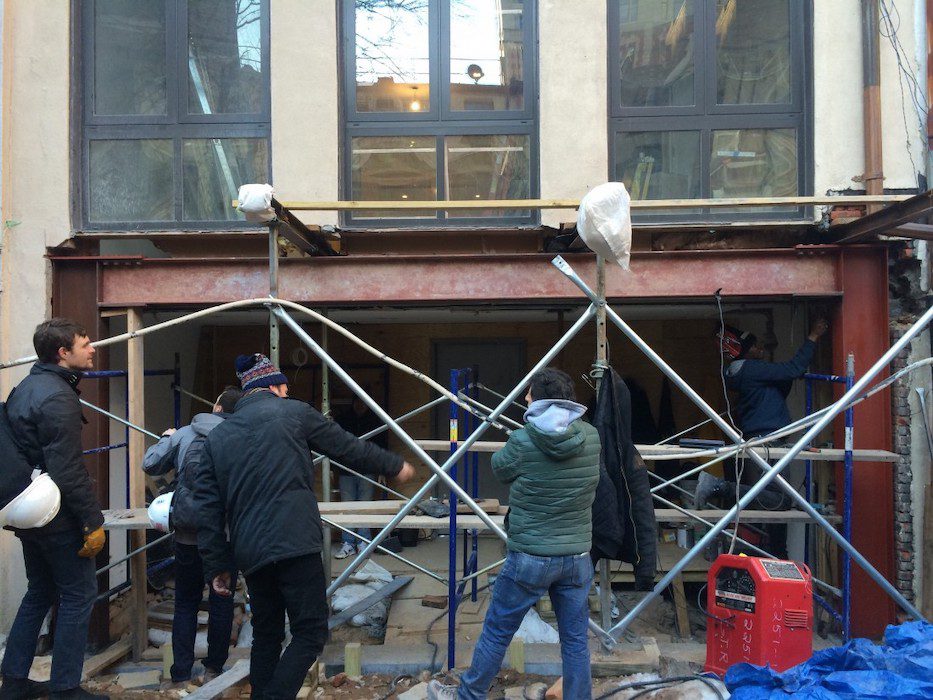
305,104
574,141
36,196
837,68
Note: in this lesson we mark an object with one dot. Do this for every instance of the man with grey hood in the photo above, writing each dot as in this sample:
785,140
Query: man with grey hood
552,467
180,450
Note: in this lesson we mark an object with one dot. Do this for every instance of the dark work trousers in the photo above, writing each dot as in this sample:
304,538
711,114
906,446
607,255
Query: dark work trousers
294,586
55,574
189,591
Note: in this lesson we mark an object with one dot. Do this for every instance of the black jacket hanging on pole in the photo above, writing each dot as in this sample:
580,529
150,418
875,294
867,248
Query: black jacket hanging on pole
624,527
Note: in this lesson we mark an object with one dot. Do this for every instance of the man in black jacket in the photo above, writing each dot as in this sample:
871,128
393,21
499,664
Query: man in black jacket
255,480
45,416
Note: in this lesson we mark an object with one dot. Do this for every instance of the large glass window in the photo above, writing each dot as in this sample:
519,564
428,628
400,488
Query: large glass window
708,100
175,110
439,106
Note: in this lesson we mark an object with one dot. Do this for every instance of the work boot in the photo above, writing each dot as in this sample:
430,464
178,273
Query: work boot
22,689
78,693
439,691
707,487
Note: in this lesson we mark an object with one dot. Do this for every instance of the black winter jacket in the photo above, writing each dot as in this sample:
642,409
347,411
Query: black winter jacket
255,478
624,526
46,419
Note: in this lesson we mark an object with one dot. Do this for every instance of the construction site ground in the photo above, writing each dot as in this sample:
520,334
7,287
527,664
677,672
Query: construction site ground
415,636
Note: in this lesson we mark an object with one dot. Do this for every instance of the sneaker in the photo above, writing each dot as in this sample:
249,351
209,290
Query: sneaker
346,549
22,689
707,487
78,693
209,675
439,691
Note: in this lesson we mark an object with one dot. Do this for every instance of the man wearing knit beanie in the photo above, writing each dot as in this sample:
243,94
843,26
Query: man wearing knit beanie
256,481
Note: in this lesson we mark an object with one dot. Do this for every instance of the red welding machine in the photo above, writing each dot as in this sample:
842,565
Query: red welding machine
760,612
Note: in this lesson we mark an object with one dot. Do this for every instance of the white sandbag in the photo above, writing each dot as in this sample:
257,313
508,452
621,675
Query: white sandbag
371,571
255,201
604,222
534,630
345,596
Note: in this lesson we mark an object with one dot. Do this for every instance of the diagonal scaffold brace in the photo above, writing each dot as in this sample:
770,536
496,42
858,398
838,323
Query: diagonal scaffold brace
770,472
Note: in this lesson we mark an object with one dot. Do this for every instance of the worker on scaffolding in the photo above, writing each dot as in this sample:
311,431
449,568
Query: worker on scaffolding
45,417
762,388
552,467
180,450
256,481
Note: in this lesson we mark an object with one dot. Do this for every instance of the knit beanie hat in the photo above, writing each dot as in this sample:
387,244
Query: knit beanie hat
735,343
257,371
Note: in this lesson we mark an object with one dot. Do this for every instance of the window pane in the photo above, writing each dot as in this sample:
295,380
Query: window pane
488,167
394,168
214,169
392,64
130,181
656,53
486,55
754,163
753,54
659,164
225,71
129,57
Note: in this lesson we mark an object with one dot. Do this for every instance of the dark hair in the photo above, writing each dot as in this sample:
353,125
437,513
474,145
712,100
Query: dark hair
550,383
54,334
228,398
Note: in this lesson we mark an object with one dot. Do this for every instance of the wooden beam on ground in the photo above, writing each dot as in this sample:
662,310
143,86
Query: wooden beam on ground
370,600
108,657
225,680
135,365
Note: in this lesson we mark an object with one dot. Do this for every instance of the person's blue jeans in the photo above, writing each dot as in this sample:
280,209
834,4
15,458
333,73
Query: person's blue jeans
524,579
55,574
189,591
353,488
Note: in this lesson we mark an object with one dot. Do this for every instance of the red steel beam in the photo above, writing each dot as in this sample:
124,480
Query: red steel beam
860,326
359,280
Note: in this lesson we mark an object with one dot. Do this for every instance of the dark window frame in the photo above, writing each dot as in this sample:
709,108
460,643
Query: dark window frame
440,121
706,116
177,125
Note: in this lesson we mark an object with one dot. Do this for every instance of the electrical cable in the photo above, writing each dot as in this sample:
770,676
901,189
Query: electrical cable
740,460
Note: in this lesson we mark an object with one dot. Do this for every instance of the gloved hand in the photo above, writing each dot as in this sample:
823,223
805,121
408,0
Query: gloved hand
93,543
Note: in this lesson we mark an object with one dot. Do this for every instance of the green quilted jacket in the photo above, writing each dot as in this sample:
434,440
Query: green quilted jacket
553,479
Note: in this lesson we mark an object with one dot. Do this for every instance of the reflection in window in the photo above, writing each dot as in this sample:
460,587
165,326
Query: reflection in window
394,168
656,53
753,54
754,163
130,180
488,167
659,164
214,169
392,56
486,55
129,58
225,71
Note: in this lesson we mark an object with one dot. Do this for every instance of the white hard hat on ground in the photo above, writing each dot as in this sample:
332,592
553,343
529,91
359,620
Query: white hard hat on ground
160,511
35,506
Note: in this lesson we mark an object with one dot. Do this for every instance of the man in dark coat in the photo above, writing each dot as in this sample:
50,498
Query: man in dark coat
255,480
45,416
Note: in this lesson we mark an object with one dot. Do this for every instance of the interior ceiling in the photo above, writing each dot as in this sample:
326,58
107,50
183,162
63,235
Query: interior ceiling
478,314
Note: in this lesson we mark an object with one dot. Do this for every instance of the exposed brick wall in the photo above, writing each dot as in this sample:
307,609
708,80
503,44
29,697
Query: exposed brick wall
903,474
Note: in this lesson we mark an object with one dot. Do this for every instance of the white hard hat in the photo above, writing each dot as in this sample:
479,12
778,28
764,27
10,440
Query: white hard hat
160,511
35,506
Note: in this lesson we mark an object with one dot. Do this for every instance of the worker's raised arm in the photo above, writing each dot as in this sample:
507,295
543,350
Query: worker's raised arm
507,462
328,438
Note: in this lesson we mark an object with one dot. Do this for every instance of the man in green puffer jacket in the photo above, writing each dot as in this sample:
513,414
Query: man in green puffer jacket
552,464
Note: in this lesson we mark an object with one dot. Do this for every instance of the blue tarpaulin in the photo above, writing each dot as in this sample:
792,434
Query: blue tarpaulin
900,669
